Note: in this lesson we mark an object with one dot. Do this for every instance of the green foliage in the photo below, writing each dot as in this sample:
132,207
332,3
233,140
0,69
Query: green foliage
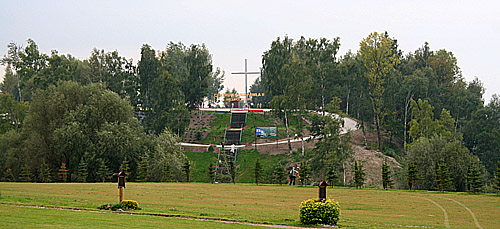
186,168
497,179
167,172
232,171
378,58
211,172
332,149
359,174
25,174
112,207
314,211
104,173
278,173
387,181
474,181
426,153
125,165
166,151
304,173
45,174
82,171
443,179
258,169
143,168
9,175
412,175
13,113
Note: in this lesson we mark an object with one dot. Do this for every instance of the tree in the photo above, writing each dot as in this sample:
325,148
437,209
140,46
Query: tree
474,182
331,174
82,171
377,56
25,174
497,179
426,153
166,151
278,173
125,165
387,181
186,168
285,77
232,171
167,171
26,63
320,55
103,173
13,113
443,179
359,175
258,169
211,172
412,175
45,174
304,173
332,149
482,134
148,70
196,85
143,168
9,175
63,172
68,121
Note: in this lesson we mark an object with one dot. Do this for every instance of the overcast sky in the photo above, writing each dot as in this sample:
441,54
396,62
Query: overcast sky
235,30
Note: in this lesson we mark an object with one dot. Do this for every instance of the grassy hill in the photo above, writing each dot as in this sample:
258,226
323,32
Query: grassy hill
211,126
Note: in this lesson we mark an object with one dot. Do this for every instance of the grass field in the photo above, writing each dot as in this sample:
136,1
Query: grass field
242,202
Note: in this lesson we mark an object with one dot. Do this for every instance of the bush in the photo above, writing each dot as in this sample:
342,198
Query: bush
314,211
131,204
112,207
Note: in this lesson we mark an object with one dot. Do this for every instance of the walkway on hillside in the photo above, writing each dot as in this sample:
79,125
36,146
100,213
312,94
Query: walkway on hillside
349,125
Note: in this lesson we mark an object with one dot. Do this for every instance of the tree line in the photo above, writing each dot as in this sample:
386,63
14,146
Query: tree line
421,109
65,119
59,109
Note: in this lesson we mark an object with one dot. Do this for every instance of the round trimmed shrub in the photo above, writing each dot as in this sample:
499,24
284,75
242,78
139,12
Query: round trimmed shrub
314,211
130,204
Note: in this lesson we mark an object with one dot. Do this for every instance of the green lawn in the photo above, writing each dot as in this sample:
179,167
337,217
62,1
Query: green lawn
26,217
250,203
222,120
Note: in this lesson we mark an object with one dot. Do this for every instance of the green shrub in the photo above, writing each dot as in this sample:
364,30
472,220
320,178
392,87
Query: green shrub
112,207
131,204
314,211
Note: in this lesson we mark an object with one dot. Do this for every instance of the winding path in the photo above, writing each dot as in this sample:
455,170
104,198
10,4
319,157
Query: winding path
468,209
446,222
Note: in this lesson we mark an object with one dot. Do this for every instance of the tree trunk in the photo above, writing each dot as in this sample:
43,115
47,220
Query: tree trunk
288,132
407,103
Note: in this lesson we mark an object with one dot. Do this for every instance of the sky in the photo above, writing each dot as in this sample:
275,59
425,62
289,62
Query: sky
237,30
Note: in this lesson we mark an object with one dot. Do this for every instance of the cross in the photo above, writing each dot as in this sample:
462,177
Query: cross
246,73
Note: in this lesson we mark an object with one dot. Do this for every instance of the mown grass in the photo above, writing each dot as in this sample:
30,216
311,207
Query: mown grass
26,217
267,203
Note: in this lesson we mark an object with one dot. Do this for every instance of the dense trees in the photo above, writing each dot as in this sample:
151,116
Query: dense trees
417,103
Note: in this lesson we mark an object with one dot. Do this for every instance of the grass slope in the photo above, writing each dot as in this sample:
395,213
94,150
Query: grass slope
269,203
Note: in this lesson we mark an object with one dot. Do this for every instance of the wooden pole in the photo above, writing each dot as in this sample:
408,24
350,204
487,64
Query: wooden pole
121,194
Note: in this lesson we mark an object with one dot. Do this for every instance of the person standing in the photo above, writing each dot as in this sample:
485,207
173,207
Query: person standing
292,176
